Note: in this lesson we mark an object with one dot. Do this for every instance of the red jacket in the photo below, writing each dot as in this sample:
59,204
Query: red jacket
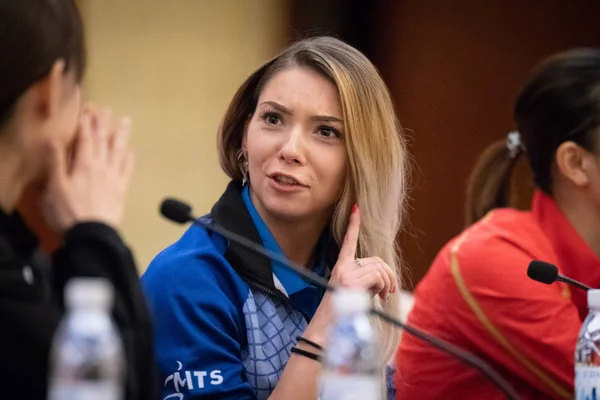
477,295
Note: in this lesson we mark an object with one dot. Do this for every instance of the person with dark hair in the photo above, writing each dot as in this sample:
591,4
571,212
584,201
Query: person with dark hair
81,166
477,294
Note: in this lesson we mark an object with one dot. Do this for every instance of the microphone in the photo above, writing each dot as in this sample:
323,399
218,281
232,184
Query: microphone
547,273
181,213
176,211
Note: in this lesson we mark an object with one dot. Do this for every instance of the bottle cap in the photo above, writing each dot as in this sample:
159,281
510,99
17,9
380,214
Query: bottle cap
594,298
89,292
351,301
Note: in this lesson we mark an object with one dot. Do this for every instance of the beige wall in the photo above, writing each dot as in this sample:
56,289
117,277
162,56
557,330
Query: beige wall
173,66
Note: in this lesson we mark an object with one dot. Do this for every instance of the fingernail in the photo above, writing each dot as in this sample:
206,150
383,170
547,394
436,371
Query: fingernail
387,297
125,122
393,290
354,208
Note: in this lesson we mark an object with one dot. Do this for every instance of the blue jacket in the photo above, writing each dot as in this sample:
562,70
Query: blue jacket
225,322
227,318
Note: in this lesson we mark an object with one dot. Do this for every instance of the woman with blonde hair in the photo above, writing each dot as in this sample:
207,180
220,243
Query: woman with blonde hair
318,166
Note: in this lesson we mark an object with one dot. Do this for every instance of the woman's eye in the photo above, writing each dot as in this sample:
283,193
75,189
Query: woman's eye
328,132
271,118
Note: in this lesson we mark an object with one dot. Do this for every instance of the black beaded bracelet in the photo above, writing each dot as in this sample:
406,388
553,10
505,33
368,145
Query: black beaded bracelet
309,342
306,354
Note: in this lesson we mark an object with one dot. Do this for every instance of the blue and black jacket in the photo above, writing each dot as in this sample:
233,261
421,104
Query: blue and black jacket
227,318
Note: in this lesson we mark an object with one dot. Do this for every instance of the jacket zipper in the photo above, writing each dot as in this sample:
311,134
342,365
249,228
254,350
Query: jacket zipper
277,295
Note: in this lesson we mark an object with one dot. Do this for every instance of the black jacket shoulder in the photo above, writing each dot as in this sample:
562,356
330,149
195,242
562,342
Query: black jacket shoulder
31,292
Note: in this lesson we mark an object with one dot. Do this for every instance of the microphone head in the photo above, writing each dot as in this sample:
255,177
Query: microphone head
176,211
542,272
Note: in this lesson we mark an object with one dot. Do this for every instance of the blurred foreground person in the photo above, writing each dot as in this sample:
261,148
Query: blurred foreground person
81,166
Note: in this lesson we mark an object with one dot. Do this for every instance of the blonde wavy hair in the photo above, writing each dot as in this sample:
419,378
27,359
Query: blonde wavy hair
378,160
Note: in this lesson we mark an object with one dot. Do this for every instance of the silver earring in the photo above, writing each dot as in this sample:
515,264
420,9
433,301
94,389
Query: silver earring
244,171
243,166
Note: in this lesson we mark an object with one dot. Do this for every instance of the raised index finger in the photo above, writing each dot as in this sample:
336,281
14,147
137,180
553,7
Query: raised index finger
348,250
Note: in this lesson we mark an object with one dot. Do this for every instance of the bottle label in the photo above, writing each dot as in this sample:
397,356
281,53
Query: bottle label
85,391
587,383
350,387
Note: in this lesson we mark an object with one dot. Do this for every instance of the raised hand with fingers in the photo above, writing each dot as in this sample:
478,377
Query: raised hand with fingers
371,273
91,187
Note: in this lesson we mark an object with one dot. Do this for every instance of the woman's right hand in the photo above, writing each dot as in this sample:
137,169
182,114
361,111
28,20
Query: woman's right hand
371,273
90,184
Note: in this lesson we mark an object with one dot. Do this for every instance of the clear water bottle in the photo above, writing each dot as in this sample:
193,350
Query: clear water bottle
351,367
587,352
87,361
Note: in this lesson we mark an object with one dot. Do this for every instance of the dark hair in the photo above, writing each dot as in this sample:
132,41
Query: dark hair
560,103
34,34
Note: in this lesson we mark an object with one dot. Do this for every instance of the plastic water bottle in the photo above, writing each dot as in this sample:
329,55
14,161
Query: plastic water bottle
352,367
587,352
87,361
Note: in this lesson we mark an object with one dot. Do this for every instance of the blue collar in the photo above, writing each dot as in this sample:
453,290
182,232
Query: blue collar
291,282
